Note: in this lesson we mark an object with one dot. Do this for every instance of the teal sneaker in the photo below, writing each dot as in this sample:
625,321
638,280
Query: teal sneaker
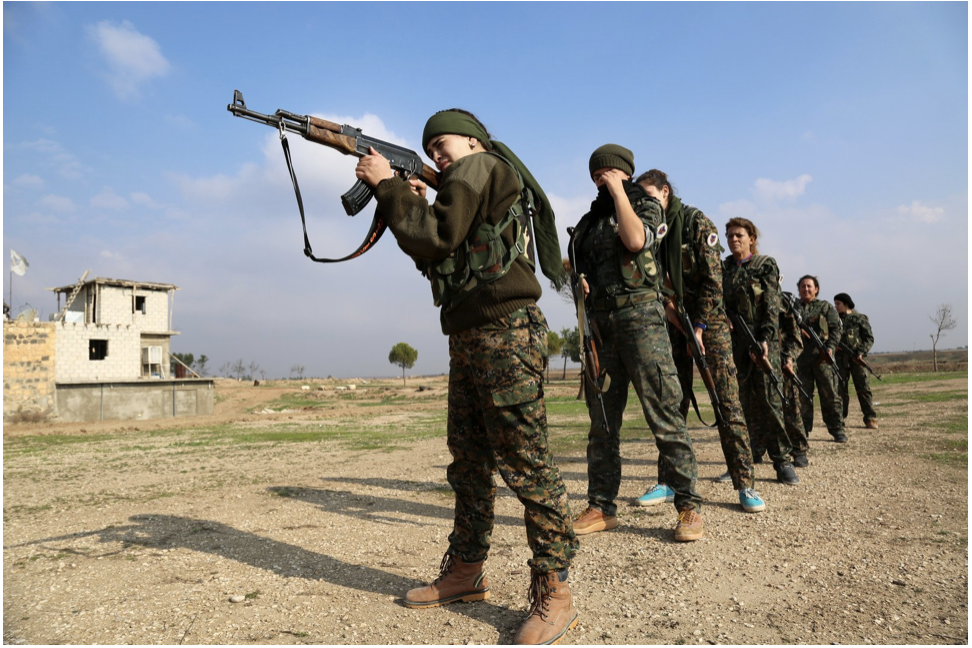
750,500
657,494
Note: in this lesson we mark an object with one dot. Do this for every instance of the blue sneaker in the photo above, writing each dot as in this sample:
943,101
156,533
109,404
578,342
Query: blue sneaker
657,494
750,500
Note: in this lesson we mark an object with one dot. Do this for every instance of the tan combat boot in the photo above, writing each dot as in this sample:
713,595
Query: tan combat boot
593,520
457,581
871,424
552,611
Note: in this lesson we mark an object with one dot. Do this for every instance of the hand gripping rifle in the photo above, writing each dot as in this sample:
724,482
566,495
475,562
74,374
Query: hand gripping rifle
853,356
756,350
790,300
595,378
703,365
350,141
787,373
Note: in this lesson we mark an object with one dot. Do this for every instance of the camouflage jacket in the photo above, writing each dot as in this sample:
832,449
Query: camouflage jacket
752,289
857,333
610,268
701,267
822,317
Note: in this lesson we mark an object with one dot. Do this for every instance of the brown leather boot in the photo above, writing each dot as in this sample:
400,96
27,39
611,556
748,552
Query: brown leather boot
552,611
871,424
457,581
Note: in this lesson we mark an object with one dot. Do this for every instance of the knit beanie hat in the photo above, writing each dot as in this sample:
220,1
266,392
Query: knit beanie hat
845,298
612,156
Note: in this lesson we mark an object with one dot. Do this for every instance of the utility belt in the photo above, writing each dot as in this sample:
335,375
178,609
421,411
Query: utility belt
623,301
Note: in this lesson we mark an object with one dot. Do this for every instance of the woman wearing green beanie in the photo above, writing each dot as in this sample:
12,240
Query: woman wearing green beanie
618,247
472,244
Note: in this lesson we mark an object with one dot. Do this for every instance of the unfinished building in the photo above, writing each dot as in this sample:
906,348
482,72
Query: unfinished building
112,344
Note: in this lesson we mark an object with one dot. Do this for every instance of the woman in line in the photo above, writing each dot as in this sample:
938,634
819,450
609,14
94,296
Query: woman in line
497,341
701,272
617,247
751,288
815,366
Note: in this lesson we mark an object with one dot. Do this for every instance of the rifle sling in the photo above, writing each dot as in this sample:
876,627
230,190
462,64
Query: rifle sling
377,228
695,404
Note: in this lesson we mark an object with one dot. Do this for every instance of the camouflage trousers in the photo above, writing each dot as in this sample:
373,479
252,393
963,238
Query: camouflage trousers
635,349
498,421
862,385
733,433
792,419
762,405
814,373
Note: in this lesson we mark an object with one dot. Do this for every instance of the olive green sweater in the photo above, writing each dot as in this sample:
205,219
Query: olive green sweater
477,188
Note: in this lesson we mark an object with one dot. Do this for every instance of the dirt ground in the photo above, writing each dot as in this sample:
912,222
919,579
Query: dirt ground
145,533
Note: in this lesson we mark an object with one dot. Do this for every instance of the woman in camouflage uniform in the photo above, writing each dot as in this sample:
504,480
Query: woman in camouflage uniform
497,344
858,337
751,287
701,272
617,245
813,368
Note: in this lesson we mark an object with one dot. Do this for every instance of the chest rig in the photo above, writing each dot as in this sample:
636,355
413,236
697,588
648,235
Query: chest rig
616,271
483,257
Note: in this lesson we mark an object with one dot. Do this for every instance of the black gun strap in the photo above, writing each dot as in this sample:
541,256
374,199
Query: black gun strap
695,404
377,228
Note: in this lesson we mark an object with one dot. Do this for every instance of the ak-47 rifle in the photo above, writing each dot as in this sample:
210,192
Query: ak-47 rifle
755,350
790,300
595,377
853,356
349,141
703,366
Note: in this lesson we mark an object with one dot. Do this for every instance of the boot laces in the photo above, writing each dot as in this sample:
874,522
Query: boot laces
539,596
448,562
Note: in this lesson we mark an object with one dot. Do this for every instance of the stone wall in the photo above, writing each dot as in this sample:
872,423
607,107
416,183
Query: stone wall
29,369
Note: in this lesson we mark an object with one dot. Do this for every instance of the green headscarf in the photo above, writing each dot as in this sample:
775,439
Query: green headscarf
451,122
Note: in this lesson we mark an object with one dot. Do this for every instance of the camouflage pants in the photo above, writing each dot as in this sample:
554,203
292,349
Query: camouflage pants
763,406
498,421
636,349
848,370
733,433
793,420
814,373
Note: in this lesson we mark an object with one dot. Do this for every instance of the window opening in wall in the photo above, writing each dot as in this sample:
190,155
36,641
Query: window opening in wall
97,349
139,305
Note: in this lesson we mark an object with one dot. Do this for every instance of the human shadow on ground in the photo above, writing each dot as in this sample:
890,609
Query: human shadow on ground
394,510
290,561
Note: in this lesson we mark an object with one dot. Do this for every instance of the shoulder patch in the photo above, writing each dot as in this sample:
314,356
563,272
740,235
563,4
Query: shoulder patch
662,231
713,240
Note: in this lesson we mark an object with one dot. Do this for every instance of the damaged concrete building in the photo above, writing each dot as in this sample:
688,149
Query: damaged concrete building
104,356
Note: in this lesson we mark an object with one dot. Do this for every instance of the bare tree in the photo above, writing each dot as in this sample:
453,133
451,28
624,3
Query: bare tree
238,369
225,369
297,370
943,321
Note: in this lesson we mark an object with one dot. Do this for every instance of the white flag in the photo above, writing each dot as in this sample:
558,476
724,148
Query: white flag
18,264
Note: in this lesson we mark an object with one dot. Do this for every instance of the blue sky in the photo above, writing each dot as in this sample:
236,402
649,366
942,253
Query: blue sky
840,129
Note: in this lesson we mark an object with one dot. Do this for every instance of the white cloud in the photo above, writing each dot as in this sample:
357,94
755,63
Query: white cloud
773,190
142,199
133,58
924,213
58,203
108,199
54,155
28,181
